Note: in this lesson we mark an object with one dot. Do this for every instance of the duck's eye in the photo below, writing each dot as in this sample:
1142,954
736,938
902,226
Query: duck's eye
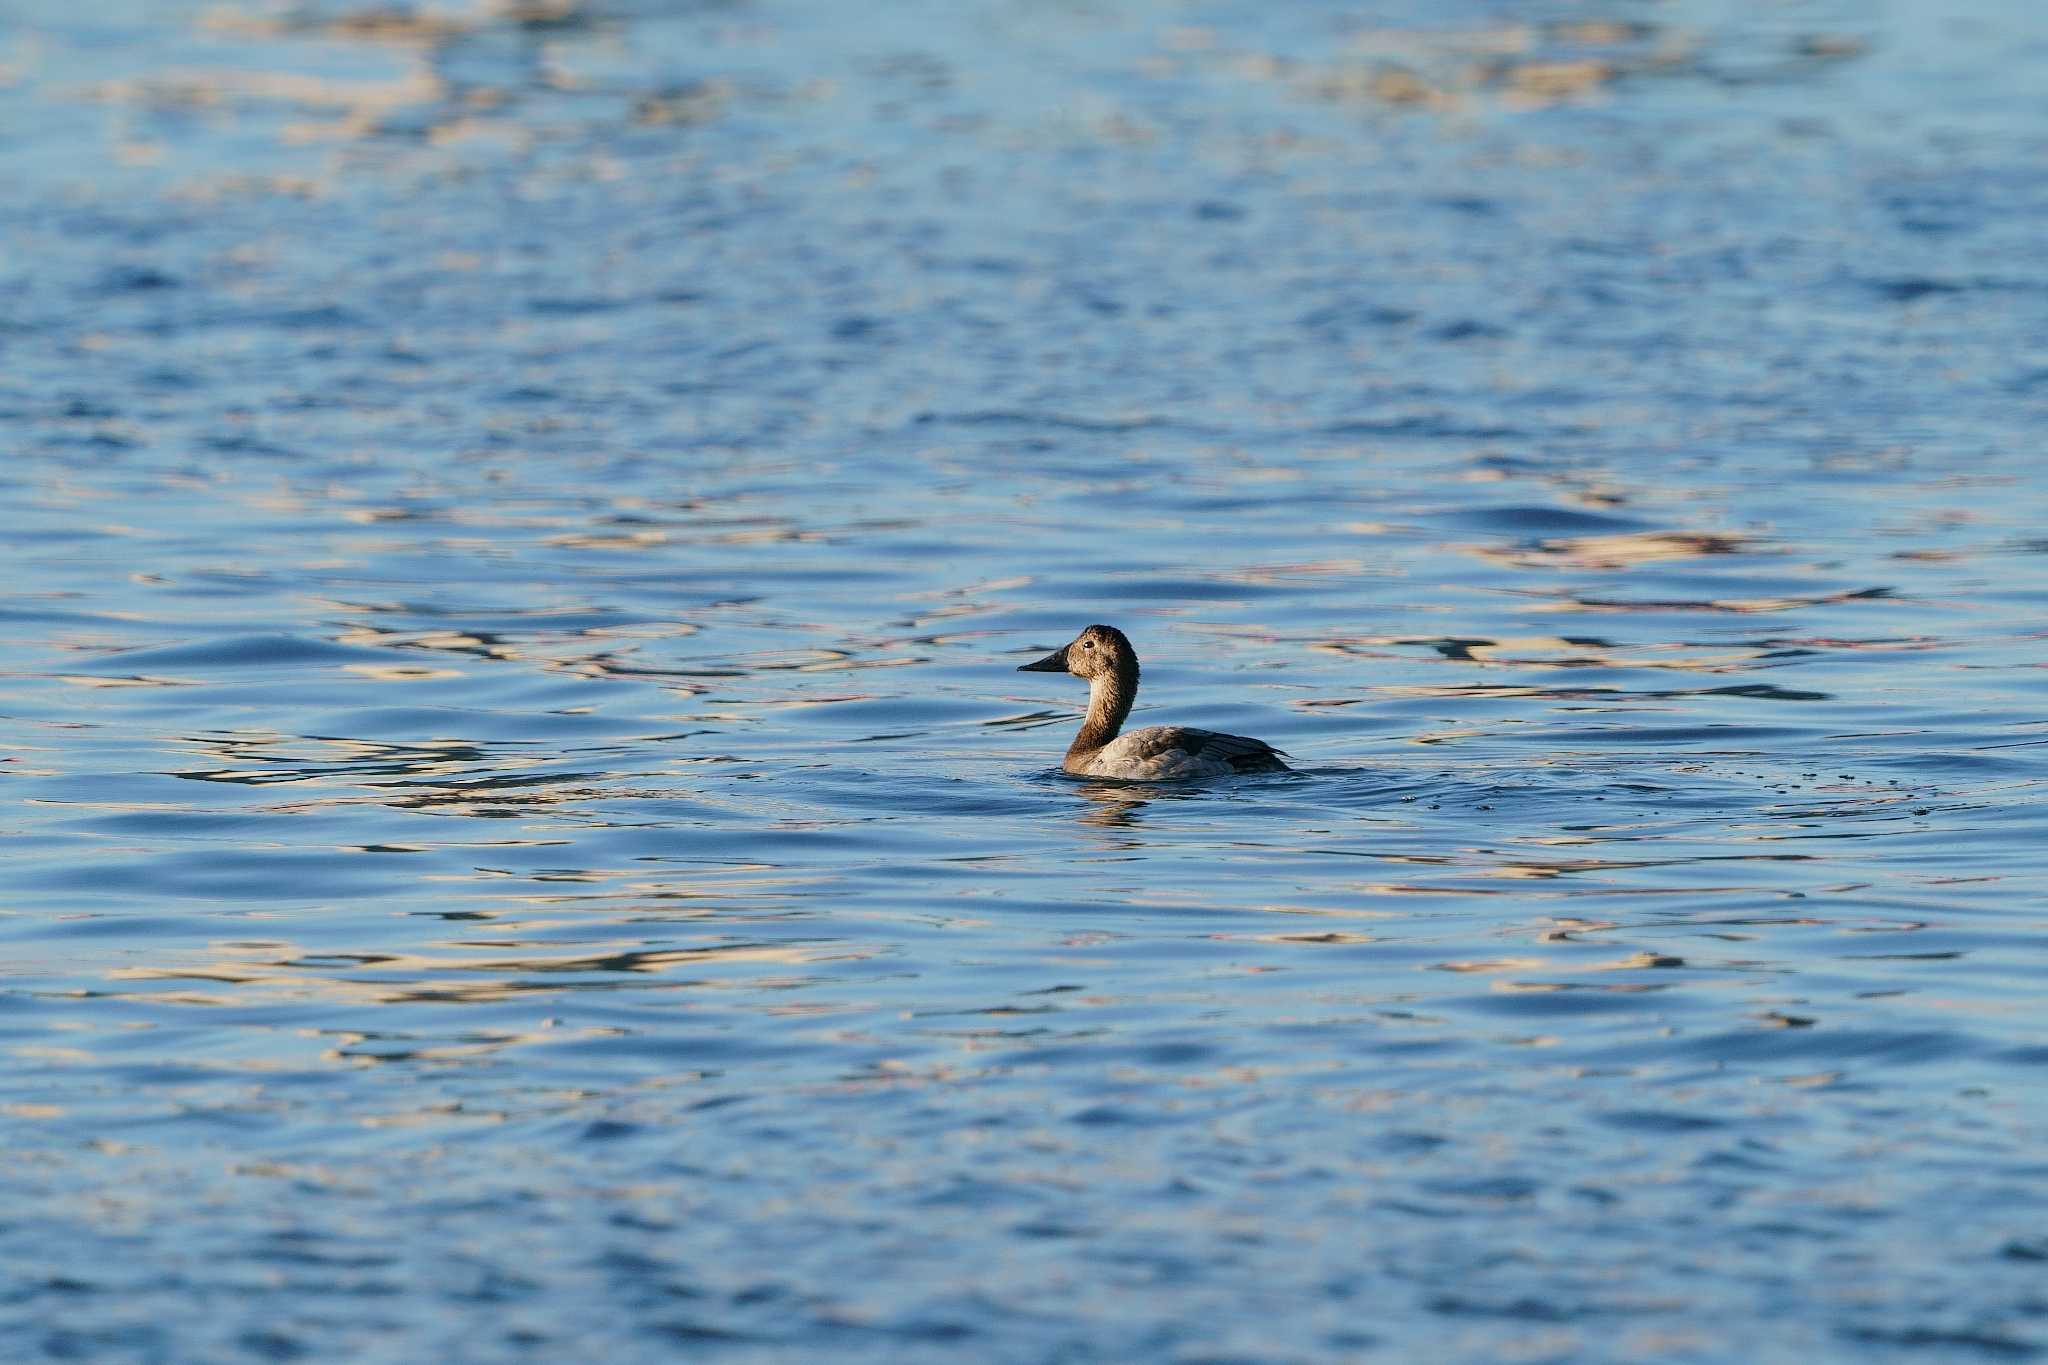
1087,644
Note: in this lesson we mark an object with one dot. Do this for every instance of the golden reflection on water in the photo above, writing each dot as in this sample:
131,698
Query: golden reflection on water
128,680
1451,72
265,758
1330,936
1746,606
1619,551
412,977
1550,651
400,672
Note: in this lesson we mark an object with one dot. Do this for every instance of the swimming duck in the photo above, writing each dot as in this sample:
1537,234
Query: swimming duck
1105,658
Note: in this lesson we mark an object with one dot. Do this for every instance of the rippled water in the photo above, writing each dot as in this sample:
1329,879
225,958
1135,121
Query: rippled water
525,835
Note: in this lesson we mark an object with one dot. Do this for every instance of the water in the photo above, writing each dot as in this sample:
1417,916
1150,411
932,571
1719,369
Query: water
525,835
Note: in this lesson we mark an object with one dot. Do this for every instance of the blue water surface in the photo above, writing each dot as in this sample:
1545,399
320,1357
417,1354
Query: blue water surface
524,839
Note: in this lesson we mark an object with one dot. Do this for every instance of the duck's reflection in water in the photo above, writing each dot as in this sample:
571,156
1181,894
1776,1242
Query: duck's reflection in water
1116,808
1115,805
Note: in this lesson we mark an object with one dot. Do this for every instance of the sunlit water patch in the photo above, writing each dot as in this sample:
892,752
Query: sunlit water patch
526,834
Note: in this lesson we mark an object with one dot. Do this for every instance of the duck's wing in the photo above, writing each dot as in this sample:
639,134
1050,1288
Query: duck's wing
1241,752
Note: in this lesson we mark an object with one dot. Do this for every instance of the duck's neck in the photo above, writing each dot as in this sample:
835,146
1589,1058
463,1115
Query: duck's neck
1109,700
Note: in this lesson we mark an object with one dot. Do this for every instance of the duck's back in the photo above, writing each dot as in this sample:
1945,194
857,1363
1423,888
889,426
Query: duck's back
1164,752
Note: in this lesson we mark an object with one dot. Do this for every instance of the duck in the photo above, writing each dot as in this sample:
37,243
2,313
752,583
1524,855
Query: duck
1158,753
